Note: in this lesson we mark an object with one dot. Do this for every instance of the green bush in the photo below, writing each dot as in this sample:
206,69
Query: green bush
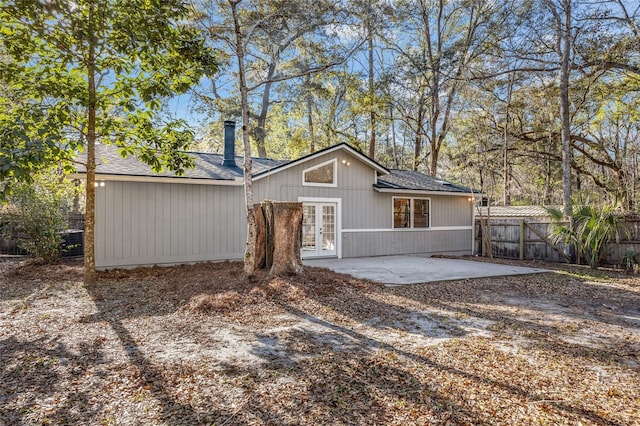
589,230
36,213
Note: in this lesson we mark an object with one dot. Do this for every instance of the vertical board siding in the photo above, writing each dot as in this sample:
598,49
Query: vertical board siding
156,223
365,208
359,244
362,207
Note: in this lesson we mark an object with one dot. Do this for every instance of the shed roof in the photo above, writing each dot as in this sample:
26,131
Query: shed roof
514,211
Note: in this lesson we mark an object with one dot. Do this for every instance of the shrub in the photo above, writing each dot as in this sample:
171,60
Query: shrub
37,212
590,228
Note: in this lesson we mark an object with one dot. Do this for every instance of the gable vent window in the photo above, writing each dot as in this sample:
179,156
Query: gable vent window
321,175
411,213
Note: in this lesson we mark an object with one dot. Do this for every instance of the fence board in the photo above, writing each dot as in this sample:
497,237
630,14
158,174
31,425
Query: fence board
505,240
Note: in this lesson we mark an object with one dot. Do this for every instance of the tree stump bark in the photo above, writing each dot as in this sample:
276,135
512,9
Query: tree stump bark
279,237
259,257
287,238
267,210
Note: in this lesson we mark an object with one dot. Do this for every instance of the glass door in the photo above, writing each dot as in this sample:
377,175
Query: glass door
319,230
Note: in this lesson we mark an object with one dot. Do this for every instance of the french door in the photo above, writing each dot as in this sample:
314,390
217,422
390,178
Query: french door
319,230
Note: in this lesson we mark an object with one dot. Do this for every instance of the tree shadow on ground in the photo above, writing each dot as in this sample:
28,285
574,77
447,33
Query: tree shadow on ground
335,382
27,368
149,375
546,308
367,373
400,384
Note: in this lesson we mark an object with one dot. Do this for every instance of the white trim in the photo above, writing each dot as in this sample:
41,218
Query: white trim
347,148
435,228
338,202
421,192
159,179
334,184
411,228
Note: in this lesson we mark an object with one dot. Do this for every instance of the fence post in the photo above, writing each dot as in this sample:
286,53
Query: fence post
521,239
483,248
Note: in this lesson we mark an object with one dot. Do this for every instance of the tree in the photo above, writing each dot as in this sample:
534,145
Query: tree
91,72
250,256
443,39
562,17
276,36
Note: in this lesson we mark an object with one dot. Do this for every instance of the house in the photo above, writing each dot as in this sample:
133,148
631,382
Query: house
353,207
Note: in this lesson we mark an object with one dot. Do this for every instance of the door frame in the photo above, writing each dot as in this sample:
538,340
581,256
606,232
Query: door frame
338,203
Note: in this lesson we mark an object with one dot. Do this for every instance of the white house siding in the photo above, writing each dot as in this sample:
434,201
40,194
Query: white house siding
367,215
141,223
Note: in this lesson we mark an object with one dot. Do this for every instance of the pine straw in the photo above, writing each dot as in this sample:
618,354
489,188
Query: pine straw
202,345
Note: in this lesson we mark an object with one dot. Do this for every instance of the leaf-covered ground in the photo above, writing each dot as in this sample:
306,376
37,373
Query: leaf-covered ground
198,345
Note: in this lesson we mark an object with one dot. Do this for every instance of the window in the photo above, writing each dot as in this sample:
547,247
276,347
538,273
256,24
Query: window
402,213
411,213
321,175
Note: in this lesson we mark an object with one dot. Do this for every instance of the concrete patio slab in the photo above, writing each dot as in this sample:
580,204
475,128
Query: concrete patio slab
413,269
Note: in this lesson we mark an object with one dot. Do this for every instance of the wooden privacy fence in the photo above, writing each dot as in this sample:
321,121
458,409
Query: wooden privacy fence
528,239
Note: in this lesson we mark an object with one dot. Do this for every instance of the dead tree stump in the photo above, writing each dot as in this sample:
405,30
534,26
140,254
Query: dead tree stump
267,210
279,237
287,238
260,257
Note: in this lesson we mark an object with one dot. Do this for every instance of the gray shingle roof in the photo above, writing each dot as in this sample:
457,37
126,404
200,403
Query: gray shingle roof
417,181
207,165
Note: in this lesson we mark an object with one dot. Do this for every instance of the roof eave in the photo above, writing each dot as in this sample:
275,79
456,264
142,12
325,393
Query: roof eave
239,181
421,192
377,167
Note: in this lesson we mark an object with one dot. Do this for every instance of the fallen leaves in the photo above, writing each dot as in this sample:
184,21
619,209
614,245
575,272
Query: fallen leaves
201,345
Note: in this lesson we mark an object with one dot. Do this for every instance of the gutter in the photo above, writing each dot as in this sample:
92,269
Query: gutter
421,192
161,179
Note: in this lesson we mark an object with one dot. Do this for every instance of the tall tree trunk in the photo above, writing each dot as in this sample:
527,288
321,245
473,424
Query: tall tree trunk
393,137
563,50
417,152
90,202
372,139
250,257
506,167
564,109
260,133
312,133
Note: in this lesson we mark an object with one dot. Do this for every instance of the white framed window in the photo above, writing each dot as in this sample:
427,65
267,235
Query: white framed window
323,174
411,213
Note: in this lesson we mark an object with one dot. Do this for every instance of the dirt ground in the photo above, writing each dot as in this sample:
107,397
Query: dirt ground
193,345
